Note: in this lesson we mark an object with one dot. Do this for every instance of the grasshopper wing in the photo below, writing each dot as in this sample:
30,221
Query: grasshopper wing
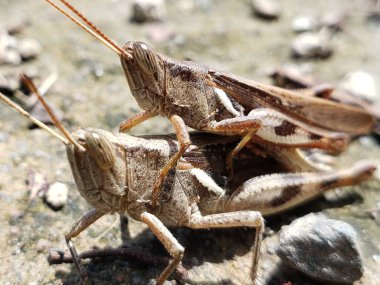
314,111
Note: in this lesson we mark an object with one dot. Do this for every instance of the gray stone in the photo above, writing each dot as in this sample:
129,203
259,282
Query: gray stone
324,249
148,10
311,45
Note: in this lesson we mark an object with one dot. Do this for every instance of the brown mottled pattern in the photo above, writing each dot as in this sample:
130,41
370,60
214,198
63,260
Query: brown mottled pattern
285,129
286,195
184,72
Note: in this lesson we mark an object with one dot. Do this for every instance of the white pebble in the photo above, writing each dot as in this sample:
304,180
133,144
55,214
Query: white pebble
56,196
302,24
360,83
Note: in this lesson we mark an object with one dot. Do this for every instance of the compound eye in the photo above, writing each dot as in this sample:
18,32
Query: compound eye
100,149
146,57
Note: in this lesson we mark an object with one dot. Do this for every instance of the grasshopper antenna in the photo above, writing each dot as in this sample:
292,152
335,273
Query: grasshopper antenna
33,89
33,119
90,28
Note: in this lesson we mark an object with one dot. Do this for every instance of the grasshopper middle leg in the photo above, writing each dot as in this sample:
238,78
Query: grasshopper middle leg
233,219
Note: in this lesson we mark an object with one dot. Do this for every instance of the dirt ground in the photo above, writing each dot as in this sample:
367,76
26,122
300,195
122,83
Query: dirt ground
92,91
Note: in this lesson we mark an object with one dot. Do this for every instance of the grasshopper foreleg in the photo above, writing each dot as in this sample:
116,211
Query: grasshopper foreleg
80,225
134,120
168,240
184,142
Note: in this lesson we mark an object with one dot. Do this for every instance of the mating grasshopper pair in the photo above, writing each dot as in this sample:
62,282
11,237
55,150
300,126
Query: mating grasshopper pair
115,173
192,95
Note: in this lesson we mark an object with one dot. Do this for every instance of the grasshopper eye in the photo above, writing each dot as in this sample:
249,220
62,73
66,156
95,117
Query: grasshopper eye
100,149
146,57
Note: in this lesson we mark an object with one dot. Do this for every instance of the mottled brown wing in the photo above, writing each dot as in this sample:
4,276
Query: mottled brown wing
315,111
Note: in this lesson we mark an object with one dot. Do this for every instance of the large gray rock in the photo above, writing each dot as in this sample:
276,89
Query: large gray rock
322,248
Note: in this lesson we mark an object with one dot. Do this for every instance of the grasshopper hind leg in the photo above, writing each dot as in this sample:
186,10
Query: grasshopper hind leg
274,193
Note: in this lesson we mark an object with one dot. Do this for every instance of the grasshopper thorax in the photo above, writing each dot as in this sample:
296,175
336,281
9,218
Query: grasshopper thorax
100,171
144,70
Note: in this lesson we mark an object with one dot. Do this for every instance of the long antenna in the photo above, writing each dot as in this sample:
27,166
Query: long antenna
30,85
90,28
33,119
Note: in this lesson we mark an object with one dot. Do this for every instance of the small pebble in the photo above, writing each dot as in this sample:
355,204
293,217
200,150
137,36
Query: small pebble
361,84
17,26
56,196
333,20
148,10
37,184
29,48
10,56
15,216
311,45
302,24
3,83
292,77
43,245
324,249
367,141
266,9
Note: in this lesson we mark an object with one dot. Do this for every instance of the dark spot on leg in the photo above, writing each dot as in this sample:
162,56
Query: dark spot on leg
329,183
286,195
315,137
285,129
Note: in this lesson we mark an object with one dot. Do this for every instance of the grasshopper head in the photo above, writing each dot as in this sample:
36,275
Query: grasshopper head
144,56
143,68
100,170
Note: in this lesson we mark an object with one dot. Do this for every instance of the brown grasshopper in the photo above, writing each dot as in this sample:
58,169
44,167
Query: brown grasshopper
192,95
115,173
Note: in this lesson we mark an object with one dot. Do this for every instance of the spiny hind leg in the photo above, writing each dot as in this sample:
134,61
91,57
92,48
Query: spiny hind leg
252,219
274,193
